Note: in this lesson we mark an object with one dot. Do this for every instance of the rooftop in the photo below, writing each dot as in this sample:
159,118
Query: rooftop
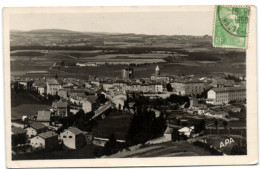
44,115
52,82
91,99
102,109
62,103
37,126
75,130
168,130
48,134
228,89
17,130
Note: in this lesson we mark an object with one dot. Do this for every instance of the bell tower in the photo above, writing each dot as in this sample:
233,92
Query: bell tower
157,71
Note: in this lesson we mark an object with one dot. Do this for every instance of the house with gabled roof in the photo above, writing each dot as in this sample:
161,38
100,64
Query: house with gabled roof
44,116
186,131
60,107
53,86
35,128
89,103
73,138
47,141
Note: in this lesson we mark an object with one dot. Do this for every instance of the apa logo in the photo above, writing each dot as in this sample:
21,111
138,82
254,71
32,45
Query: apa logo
227,141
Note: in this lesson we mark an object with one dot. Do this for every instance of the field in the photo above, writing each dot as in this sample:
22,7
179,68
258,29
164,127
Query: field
24,104
111,64
116,123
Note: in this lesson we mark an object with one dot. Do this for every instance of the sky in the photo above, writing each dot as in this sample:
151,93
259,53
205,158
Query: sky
151,23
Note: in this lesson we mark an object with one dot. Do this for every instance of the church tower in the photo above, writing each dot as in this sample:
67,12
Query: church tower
157,71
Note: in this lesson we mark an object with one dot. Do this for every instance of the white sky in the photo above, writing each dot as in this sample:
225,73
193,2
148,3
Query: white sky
156,23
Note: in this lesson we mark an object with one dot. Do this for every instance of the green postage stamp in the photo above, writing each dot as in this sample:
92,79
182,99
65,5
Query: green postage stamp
231,26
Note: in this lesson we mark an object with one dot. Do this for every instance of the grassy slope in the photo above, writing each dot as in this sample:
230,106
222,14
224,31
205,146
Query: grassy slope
170,149
24,104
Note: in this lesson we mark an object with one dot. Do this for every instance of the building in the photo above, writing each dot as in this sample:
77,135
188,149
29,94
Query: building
35,128
217,114
157,76
167,137
186,131
47,141
77,92
107,85
102,110
81,64
91,64
53,86
145,88
158,88
89,104
224,95
127,73
41,89
60,108
157,71
119,102
190,88
63,94
44,117
73,138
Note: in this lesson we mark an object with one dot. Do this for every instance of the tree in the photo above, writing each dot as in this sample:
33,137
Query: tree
216,124
102,99
111,146
178,121
16,87
169,87
225,124
175,135
119,106
199,127
144,126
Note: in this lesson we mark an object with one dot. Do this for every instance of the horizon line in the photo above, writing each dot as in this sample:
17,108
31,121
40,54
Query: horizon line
106,32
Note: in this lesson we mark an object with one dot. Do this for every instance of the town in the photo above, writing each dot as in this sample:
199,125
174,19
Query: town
126,116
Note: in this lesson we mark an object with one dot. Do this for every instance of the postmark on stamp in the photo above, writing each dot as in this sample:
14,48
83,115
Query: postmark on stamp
230,27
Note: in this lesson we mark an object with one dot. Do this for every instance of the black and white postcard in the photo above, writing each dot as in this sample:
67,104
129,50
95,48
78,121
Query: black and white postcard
130,86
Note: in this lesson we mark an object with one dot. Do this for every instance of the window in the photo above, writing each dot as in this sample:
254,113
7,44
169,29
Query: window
64,136
70,136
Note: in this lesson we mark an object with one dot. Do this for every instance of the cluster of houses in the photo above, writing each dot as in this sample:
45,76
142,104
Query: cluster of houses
39,136
76,94
156,86
212,111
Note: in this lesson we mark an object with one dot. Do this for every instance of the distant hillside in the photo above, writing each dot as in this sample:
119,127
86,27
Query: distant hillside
53,31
